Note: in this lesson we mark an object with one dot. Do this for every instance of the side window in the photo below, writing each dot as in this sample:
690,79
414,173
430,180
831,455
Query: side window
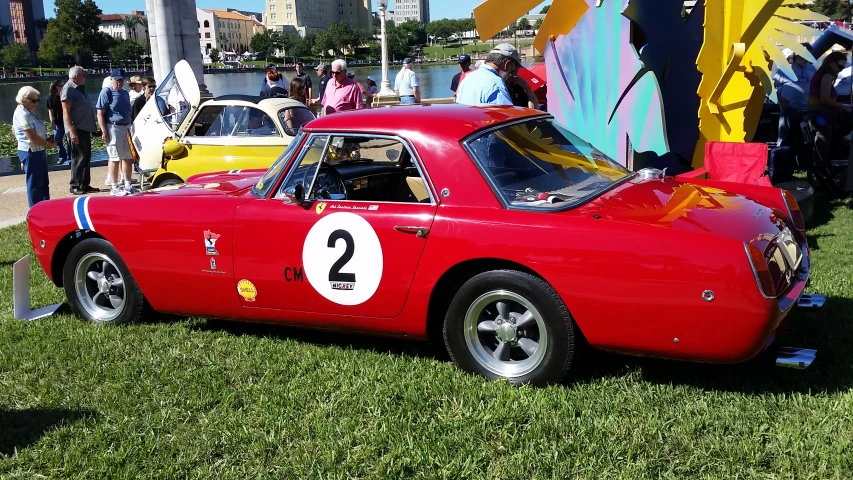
226,122
358,168
256,123
293,118
204,120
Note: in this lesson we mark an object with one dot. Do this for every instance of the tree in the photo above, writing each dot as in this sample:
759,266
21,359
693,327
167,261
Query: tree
223,41
74,31
129,23
440,29
264,43
144,22
523,24
126,52
537,25
544,10
214,56
305,45
15,55
830,8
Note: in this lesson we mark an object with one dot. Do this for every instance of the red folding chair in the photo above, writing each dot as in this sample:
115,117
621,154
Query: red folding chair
733,162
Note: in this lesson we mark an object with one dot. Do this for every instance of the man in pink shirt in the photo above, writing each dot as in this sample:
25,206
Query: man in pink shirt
342,93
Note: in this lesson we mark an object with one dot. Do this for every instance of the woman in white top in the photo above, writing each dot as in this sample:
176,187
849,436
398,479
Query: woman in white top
32,141
273,79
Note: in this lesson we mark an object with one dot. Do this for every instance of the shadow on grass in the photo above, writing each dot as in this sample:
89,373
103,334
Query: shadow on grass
397,346
22,428
829,331
823,207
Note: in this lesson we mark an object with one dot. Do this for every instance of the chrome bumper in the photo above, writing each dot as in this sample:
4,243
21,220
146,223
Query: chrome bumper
798,358
811,301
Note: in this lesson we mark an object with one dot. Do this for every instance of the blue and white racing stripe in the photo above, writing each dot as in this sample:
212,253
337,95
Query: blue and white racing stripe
233,171
81,213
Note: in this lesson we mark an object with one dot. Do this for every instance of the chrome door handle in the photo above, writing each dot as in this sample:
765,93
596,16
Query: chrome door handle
418,231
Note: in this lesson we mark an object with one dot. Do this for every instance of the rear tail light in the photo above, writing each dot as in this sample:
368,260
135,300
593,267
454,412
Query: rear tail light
761,271
794,211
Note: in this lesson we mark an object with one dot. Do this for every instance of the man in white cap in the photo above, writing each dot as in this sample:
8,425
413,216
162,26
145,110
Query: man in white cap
793,94
407,85
487,84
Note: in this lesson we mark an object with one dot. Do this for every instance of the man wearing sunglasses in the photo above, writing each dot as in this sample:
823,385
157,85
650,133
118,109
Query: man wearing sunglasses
341,93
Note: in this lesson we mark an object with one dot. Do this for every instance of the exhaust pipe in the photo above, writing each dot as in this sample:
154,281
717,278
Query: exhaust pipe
797,358
811,301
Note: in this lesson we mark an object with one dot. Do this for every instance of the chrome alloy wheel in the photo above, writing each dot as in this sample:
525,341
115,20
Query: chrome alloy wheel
100,287
505,333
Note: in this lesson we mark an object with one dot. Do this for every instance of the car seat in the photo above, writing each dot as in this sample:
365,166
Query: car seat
733,162
418,188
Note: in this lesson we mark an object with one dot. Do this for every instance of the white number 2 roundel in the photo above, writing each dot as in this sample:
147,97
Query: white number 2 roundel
342,258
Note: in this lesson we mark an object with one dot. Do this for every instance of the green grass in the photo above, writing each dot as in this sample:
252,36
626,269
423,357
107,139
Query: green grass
196,398
436,52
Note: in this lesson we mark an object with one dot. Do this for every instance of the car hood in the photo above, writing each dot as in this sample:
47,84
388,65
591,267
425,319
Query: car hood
210,184
670,203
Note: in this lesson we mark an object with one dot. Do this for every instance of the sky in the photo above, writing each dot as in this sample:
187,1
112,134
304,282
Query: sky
438,8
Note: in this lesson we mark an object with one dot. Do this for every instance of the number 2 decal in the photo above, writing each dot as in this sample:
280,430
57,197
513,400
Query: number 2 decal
338,280
335,268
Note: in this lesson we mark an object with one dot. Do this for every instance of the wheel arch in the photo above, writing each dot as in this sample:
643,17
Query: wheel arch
63,248
451,280
159,179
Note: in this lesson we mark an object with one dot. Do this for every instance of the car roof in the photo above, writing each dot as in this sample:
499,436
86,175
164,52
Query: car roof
450,121
270,106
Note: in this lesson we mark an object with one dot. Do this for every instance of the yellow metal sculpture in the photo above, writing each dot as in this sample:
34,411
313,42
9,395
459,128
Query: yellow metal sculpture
735,71
742,39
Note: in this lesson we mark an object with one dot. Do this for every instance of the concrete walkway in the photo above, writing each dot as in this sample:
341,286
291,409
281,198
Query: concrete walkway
13,193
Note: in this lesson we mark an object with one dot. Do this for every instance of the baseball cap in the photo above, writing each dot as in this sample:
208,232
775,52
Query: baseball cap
321,66
351,74
407,60
135,80
117,74
464,58
507,50
271,67
788,53
371,78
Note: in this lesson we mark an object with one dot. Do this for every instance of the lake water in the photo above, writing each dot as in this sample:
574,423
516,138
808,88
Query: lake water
434,80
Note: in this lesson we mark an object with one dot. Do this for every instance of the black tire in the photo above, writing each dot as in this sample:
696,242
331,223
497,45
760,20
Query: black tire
169,182
514,289
80,275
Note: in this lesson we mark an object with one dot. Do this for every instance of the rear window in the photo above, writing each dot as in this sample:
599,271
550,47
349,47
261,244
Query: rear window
293,118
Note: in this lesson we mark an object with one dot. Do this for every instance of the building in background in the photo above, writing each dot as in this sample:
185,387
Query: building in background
116,26
25,21
259,16
225,31
406,10
306,16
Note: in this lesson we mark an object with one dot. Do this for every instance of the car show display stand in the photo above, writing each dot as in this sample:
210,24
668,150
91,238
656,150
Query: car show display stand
21,293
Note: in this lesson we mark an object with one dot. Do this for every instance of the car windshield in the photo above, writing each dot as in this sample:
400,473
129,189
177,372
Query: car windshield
539,164
266,182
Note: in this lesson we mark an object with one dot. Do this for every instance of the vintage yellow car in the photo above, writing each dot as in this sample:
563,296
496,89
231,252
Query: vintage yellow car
177,136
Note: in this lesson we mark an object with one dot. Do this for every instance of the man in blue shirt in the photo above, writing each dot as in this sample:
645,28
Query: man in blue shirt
487,85
114,118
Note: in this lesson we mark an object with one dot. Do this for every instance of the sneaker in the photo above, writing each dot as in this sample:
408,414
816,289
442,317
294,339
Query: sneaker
118,191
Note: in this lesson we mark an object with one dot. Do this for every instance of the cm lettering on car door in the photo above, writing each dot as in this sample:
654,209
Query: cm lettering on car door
352,245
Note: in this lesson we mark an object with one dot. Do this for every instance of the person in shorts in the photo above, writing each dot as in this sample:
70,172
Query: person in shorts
114,109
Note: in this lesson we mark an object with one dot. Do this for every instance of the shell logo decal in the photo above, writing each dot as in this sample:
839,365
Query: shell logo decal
247,290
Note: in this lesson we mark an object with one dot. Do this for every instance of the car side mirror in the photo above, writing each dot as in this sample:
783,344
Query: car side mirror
173,148
296,194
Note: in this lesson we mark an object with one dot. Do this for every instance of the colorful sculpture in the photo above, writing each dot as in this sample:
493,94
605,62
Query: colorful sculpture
731,73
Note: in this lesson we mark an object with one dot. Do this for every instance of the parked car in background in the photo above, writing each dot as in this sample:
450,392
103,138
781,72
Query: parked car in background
177,136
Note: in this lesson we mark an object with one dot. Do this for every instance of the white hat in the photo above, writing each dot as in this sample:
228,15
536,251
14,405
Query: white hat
507,50
371,79
479,63
788,53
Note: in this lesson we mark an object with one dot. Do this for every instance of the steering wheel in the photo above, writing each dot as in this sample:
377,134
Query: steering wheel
329,185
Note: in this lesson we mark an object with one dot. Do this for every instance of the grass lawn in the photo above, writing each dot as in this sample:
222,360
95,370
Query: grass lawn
197,398
436,51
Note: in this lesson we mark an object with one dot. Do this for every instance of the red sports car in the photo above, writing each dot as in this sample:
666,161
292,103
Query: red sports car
493,227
